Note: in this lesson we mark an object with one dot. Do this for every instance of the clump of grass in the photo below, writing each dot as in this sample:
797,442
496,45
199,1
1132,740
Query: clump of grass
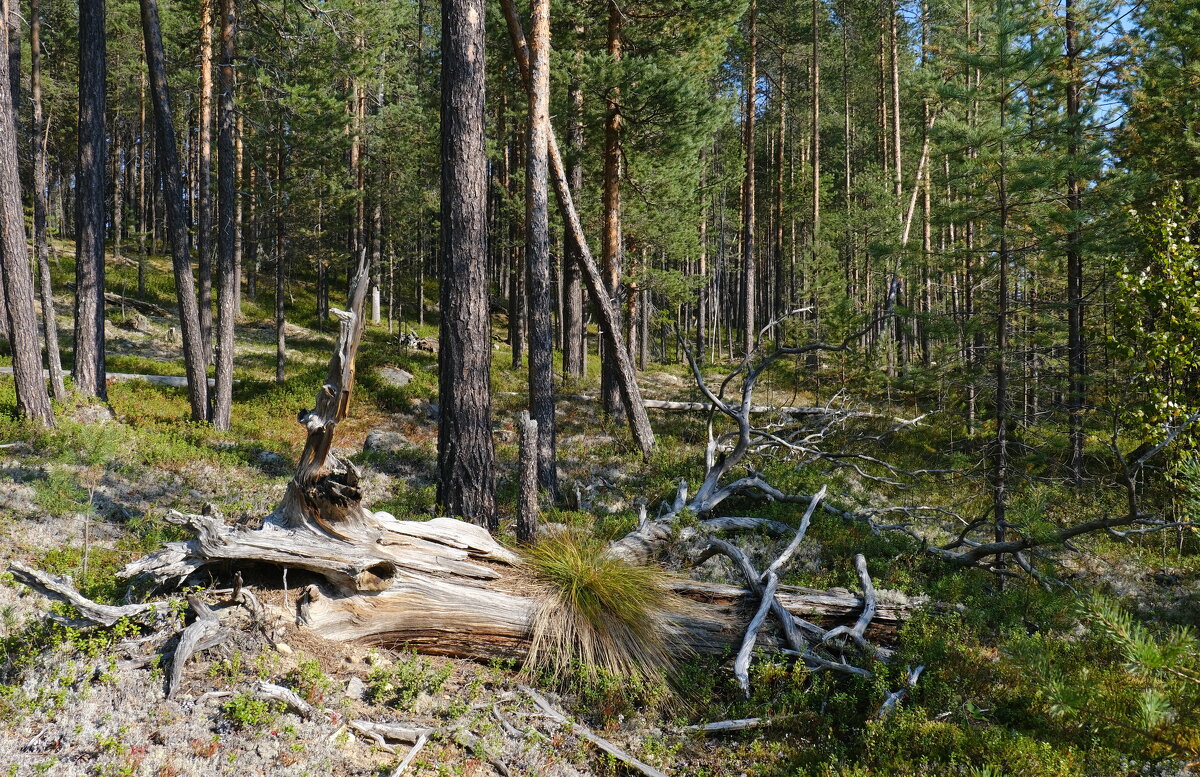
599,613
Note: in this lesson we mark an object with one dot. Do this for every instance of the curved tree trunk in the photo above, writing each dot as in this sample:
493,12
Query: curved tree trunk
167,157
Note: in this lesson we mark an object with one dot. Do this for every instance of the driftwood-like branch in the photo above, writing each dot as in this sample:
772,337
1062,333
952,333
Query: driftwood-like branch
408,759
62,589
859,628
786,555
741,664
894,698
288,698
728,726
586,733
392,732
205,632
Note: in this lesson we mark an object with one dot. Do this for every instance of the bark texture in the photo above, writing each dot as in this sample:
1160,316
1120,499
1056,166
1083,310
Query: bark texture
169,172
465,453
537,253
32,400
89,204
227,279
41,246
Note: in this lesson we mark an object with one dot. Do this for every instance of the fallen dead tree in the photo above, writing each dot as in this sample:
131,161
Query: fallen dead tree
445,586
442,586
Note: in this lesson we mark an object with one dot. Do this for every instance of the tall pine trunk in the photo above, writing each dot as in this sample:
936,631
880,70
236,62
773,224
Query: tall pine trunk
611,242
574,345
537,254
1075,358
41,245
169,170
32,400
749,285
280,259
226,223
465,455
89,372
204,228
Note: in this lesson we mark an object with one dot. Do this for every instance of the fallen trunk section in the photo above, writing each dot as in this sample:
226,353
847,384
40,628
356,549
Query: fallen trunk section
446,587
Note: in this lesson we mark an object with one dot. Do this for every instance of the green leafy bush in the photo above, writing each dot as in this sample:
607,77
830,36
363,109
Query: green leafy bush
399,684
248,711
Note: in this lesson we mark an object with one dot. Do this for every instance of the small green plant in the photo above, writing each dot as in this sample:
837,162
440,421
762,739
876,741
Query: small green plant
399,685
308,679
60,493
599,612
248,711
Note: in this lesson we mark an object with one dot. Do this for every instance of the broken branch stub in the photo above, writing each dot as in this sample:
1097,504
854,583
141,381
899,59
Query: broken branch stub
324,495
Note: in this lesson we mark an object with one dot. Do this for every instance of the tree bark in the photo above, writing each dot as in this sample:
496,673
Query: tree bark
465,456
141,182
749,284
574,350
280,260
815,158
89,204
41,245
527,478
32,400
1000,464
204,228
537,253
227,190
238,223
169,172
611,244
1075,347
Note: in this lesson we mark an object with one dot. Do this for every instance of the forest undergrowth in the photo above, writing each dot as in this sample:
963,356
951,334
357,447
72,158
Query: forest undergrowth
1090,670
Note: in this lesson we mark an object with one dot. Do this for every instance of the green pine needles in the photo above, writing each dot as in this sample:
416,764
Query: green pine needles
599,612
1141,686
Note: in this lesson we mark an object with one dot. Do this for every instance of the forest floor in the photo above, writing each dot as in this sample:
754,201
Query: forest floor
89,497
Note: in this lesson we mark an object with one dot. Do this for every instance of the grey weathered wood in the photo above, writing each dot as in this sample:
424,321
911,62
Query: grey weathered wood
786,555
63,590
527,500
205,632
741,664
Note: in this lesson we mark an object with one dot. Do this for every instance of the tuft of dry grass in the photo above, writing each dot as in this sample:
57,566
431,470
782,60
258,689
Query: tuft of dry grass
599,612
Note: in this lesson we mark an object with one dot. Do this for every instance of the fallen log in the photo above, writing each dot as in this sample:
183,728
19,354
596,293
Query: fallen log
447,587
118,300
442,586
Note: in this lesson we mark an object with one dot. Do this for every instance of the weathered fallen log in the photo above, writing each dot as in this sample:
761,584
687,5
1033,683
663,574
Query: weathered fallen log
442,586
447,587
149,308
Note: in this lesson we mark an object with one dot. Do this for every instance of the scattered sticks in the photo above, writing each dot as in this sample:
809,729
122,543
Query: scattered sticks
586,733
